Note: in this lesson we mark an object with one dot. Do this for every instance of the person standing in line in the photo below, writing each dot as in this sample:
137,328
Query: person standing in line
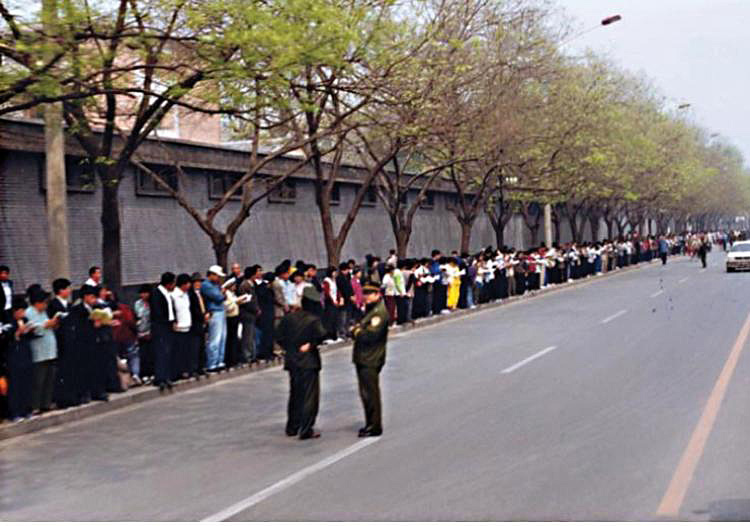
163,319
125,335
299,333
264,325
59,307
370,339
213,296
346,293
43,351
95,277
232,308
199,317
182,348
249,312
20,364
142,308
82,346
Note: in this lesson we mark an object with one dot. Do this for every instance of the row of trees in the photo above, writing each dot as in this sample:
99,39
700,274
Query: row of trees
472,95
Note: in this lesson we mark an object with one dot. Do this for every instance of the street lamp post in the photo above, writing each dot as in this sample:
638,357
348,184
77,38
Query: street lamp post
548,207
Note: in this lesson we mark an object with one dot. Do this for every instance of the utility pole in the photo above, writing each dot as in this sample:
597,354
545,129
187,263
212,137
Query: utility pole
548,225
54,153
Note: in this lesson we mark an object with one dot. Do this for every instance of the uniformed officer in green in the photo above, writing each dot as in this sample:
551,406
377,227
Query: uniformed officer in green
299,334
370,338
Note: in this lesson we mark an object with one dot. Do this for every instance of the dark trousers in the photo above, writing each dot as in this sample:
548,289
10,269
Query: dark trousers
44,384
663,258
369,392
390,305
185,354
304,398
439,292
97,373
402,308
20,378
247,345
231,354
420,308
163,344
146,354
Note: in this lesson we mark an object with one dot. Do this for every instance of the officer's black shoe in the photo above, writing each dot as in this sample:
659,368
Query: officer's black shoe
309,435
371,433
364,431
291,433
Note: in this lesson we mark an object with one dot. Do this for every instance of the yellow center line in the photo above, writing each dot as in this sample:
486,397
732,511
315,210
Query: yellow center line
675,494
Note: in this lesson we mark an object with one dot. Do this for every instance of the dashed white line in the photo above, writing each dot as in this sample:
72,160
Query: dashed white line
657,294
613,317
683,280
289,481
527,360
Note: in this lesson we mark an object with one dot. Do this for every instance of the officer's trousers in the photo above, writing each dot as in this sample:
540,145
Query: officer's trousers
369,392
304,397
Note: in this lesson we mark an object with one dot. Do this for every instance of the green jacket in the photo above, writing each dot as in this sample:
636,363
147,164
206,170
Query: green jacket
371,336
296,329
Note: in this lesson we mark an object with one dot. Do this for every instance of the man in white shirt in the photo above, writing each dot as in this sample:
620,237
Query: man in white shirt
183,323
95,277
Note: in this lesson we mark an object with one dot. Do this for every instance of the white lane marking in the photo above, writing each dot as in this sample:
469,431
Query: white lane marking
657,294
683,280
527,360
614,316
287,482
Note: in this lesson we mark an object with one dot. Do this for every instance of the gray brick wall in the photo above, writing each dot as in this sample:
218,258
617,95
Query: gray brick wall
159,235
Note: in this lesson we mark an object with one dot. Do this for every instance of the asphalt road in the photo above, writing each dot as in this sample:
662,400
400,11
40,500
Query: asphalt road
578,405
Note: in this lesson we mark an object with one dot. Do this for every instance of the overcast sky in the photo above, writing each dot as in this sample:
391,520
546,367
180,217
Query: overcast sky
696,51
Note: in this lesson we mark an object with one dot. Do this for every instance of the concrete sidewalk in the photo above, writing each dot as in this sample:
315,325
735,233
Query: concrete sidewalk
146,393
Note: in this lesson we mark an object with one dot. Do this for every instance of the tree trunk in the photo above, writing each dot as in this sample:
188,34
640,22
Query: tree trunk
221,251
534,235
402,233
111,234
466,227
610,228
500,235
573,222
594,222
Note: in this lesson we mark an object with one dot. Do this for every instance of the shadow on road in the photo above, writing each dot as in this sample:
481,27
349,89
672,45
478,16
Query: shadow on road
728,510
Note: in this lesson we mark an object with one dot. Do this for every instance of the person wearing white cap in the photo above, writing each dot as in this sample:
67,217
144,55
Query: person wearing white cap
213,296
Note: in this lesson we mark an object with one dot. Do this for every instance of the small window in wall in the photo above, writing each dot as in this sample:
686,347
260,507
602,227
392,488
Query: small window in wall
79,175
336,194
371,197
145,185
285,193
219,184
428,203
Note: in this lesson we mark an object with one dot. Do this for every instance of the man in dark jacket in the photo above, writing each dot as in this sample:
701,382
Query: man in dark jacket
370,339
198,328
162,333
345,290
247,297
299,333
81,336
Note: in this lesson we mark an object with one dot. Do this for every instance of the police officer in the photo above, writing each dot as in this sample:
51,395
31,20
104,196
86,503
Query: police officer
370,338
299,333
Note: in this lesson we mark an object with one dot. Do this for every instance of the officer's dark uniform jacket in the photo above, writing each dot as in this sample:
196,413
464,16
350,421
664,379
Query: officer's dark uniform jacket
296,329
370,337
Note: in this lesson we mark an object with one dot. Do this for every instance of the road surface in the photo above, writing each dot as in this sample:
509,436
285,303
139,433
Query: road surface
620,399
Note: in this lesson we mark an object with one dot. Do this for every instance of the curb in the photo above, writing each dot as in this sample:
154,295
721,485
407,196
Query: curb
146,393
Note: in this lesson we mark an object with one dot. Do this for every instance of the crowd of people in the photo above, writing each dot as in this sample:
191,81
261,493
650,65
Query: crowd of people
61,349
